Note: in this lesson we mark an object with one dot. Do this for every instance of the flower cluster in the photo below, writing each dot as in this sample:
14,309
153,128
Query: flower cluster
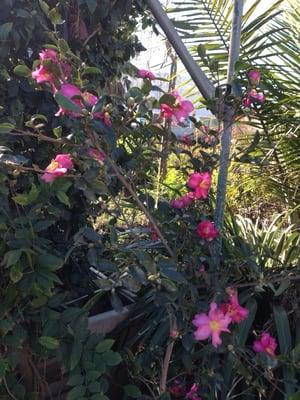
179,110
218,319
252,96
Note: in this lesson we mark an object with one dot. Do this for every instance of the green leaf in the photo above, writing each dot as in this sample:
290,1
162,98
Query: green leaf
49,261
75,354
55,16
76,392
91,71
245,326
6,127
44,6
22,70
26,199
112,358
132,391
95,387
11,257
57,131
146,87
283,329
104,345
173,274
92,5
5,30
15,273
63,198
66,103
75,380
49,342
167,99
295,396
63,46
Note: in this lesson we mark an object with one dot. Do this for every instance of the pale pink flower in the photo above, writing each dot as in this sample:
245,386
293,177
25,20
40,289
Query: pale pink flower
98,155
233,309
68,90
143,73
206,230
211,325
200,183
266,344
192,394
254,77
58,167
183,201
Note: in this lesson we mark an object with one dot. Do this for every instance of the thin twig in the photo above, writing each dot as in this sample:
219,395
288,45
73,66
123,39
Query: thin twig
8,390
130,189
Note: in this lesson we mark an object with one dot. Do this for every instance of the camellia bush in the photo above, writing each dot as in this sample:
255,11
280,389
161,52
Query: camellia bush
81,233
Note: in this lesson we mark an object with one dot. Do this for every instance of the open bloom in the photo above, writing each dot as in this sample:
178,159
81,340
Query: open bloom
211,325
192,394
98,155
69,91
200,183
42,75
180,110
58,167
49,54
143,73
206,230
233,309
254,77
183,201
265,344
254,95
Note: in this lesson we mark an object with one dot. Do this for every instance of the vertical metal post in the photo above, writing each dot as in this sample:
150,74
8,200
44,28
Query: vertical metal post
227,126
204,85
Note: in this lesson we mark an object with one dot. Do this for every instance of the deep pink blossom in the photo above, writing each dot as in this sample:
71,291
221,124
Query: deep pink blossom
98,155
211,325
200,183
183,201
206,230
153,234
143,73
233,309
192,394
247,102
254,95
180,110
265,344
69,91
254,77
90,98
58,167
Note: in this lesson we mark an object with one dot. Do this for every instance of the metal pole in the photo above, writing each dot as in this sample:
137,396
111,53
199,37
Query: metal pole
204,85
229,111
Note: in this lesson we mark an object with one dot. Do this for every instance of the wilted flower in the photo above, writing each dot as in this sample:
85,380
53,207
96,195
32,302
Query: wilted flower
206,230
233,309
143,73
58,167
266,344
200,183
211,325
254,77
98,155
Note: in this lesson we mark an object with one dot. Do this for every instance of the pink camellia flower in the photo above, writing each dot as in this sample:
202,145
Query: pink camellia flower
143,73
266,344
206,230
212,325
192,394
233,309
98,155
254,77
49,54
254,95
183,201
90,98
42,75
200,183
180,110
177,389
69,91
58,167
174,334
247,102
